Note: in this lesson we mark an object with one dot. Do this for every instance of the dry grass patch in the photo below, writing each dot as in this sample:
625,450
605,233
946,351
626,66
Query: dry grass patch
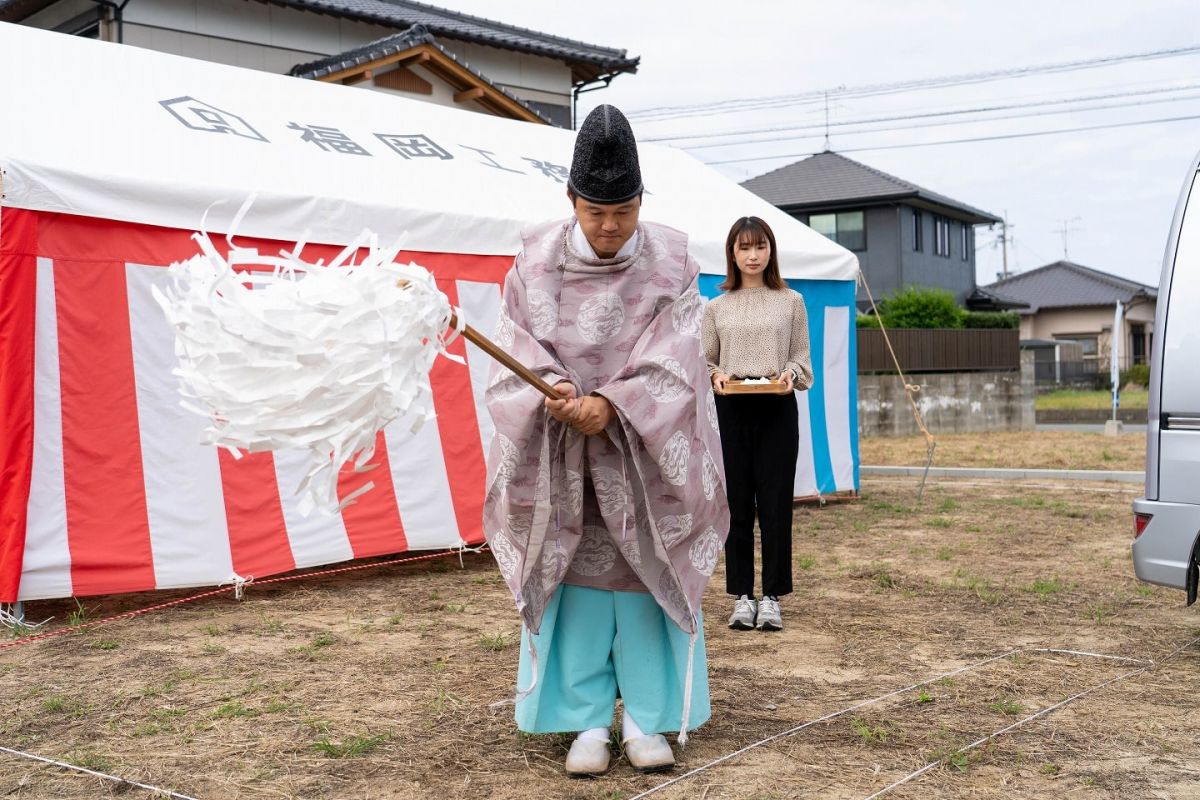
1020,450
370,686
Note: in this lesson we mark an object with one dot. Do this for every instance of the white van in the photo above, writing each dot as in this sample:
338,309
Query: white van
1167,519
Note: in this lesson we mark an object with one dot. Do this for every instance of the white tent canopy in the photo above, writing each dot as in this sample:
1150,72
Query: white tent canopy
154,138
114,490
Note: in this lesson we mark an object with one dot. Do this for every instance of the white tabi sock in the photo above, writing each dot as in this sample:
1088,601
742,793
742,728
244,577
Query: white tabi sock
597,734
629,728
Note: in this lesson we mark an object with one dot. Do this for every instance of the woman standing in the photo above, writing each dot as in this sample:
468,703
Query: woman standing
757,329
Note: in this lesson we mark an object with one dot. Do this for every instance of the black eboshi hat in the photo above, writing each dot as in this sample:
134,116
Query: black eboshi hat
605,166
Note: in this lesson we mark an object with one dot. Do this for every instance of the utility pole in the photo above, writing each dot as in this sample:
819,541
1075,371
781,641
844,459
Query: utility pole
1065,231
1004,240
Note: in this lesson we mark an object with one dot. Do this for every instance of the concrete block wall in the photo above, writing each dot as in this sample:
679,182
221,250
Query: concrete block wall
960,402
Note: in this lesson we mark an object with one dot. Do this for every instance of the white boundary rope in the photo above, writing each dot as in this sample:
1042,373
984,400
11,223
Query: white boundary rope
1145,666
1060,651
810,723
1047,710
85,770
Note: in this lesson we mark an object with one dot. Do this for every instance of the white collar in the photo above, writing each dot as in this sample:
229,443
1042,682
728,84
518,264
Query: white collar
585,249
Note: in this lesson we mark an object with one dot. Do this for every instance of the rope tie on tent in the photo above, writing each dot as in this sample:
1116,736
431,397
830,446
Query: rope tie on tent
910,390
214,592
239,585
463,547
11,621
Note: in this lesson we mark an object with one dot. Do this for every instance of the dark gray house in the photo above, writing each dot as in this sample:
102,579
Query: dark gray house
903,234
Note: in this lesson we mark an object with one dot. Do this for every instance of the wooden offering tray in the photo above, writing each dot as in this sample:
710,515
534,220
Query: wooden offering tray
764,386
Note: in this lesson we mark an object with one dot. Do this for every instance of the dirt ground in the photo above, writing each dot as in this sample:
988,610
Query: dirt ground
1028,450
377,684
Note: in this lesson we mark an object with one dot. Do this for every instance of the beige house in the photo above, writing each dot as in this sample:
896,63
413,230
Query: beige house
394,46
1067,302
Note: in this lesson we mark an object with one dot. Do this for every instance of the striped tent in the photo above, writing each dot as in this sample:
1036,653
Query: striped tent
114,159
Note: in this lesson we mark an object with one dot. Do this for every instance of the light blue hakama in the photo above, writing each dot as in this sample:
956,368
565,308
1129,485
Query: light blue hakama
596,645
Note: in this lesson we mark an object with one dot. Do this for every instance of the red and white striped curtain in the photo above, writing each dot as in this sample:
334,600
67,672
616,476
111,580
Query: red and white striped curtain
106,486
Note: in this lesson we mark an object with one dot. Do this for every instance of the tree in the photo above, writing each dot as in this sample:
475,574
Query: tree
914,307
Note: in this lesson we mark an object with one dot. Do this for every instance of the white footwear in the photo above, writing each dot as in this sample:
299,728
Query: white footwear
744,611
649,753
769,616
587,757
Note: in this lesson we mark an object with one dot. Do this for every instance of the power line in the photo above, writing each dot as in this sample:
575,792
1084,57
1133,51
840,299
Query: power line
965,141
926,115
870,90
944,123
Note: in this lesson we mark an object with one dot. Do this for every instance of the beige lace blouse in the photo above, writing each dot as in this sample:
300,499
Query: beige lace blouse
758,332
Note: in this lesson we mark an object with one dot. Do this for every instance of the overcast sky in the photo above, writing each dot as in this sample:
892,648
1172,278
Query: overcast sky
1113,188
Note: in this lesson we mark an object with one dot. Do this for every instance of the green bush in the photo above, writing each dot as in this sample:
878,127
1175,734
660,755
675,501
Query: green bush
921,308
867,321
1138,373
991,319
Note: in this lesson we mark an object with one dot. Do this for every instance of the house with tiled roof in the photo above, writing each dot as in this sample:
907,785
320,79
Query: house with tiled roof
395,46
1064,301
903,234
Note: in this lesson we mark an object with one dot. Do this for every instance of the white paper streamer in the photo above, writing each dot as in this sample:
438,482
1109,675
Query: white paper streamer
279,353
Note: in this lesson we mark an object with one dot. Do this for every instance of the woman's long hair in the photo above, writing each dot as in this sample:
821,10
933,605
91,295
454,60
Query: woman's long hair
753,231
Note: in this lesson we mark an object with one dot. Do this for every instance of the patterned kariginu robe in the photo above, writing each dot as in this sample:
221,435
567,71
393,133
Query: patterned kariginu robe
643,507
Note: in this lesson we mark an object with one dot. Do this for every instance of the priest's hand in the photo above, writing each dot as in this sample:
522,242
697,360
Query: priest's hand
566,409
718,382
595,412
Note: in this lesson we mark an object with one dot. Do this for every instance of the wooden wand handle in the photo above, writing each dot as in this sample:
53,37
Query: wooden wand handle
488,346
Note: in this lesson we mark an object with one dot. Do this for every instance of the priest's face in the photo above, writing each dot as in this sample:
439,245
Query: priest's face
607,227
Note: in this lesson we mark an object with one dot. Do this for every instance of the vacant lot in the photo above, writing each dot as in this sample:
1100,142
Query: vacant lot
377,684
1027,450
1069,398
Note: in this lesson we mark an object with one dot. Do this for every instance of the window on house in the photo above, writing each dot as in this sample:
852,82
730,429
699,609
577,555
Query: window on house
941,236
1088,341
86,24
966,242
1137,344
847,228
918,230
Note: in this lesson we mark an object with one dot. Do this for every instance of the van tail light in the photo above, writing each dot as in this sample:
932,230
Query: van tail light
1140,521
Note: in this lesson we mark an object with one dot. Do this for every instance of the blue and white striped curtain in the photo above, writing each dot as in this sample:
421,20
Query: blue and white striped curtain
828,412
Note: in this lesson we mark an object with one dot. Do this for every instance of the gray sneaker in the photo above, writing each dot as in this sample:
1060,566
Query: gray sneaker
769,618
744,610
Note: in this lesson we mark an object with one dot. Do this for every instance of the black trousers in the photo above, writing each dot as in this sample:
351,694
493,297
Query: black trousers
760,439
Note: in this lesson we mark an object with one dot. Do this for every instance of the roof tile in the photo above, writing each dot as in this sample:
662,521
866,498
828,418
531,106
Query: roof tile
832,179
455,25
1064,284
